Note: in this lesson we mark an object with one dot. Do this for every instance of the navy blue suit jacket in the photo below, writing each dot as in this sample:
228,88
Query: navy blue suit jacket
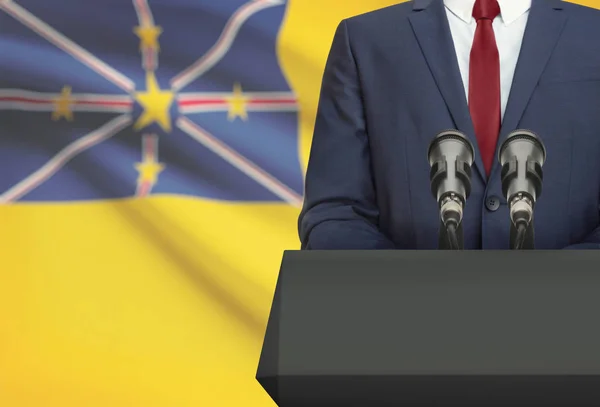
392,83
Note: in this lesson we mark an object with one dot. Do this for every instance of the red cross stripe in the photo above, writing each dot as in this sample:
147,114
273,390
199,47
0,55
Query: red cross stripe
218,102
15,99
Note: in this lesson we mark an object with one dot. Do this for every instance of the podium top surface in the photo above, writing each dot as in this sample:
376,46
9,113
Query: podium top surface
438,313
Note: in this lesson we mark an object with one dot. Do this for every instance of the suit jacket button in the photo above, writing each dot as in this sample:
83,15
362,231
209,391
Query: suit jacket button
492,203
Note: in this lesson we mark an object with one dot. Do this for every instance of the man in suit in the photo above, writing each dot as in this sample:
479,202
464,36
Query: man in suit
398,76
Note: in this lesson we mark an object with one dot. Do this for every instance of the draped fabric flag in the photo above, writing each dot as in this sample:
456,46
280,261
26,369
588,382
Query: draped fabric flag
151,167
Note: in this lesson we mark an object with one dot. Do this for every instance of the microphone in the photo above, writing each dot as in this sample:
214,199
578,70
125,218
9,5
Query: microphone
450,157
522,156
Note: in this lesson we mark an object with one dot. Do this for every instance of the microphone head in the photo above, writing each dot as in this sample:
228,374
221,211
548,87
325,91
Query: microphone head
522,156
451,143
450,156
522,143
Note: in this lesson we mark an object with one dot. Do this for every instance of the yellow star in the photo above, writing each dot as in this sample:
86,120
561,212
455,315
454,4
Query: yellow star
62,105
149,170
156,104
148,35
237,104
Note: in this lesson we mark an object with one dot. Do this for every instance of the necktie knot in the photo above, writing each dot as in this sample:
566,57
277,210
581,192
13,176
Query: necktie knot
486,10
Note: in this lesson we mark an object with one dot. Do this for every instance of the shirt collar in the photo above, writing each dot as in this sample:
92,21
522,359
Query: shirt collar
510,10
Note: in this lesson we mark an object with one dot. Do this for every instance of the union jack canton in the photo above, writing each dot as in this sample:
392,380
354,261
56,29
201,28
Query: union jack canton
121,98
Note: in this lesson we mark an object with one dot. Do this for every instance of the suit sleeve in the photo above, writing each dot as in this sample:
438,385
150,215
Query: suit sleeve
340,211
592,241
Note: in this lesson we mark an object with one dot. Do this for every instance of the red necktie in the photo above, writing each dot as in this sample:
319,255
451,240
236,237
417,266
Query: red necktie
484,81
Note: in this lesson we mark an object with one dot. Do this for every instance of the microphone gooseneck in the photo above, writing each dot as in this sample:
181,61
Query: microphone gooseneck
452,236
450,158
520,236
522,156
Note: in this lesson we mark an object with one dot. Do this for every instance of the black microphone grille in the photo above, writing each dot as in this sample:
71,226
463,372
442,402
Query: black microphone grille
451,135
525,135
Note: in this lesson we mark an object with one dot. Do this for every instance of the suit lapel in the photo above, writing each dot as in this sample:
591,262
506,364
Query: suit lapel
544,27
430,25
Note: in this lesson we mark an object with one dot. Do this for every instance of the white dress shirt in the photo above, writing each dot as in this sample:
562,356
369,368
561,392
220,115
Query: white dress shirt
509,28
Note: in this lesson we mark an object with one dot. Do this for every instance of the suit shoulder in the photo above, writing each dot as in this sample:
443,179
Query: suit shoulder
580,11
583,24
394,14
